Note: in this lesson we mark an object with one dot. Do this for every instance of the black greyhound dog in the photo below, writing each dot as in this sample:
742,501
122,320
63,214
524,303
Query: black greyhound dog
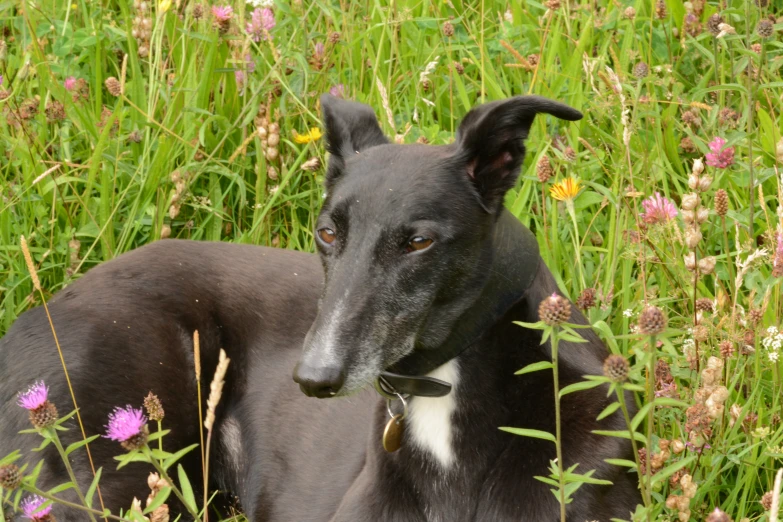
424,274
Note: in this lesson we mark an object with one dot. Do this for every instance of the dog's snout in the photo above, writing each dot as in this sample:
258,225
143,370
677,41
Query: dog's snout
321,382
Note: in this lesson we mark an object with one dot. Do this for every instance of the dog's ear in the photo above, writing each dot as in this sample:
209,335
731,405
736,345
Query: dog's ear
351,127
491,142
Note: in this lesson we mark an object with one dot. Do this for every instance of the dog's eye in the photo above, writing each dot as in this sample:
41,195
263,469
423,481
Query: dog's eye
418,243
327,235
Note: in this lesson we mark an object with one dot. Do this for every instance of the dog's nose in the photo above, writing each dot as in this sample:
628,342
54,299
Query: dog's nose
321,382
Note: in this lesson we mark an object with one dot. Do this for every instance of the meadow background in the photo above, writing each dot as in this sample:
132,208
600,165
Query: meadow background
127,122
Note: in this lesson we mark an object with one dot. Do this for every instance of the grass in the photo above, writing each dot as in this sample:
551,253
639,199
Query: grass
86,175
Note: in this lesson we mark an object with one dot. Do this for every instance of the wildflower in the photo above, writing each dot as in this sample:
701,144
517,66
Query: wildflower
660,10
31,509
629,13
725,29
765,28
658,209
239,77
448,29
338,90
544,169
261,3
616,368
314,134
726,349
43,413
113,86
766,501
586,299
720,157
261,22
628,313
164,5
154,407
641,70
10,476
707,265
652,321
566,190
554,310
128,426
197,11
70,83
222,15
713,24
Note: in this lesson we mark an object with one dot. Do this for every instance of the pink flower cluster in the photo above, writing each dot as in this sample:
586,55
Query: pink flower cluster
720,157
658,209
261,22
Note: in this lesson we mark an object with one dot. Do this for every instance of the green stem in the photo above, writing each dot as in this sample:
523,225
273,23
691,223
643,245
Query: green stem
67,463
577,247
558,441
650,416
624,408
165,476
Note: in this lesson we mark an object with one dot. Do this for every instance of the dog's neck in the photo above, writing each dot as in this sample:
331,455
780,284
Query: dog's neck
515,260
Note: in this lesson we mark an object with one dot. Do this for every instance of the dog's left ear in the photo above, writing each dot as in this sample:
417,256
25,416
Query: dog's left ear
491,142
351,127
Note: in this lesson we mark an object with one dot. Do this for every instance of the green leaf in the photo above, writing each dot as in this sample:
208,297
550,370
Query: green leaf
621,462
159,499
534,434
579,386
78,444
11,457
540,325
157,435
623,434
65,418
608,410
60,487
547,480
671,469
178,455
535,367
93,486
187,490
640,415
133,456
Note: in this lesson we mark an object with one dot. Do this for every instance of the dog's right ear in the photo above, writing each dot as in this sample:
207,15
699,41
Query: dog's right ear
351,127
491,143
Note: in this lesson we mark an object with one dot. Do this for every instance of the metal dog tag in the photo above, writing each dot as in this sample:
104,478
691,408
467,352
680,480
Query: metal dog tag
392,434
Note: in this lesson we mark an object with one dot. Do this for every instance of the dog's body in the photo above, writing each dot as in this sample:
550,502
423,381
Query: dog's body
126,328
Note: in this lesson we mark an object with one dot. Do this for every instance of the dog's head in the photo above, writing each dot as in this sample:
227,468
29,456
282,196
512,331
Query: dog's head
405,235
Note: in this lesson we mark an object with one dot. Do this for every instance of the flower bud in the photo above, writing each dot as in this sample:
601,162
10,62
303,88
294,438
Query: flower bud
690,261
702,215
707,265
698,167
688,216
704,183
693,181
692,237
690,201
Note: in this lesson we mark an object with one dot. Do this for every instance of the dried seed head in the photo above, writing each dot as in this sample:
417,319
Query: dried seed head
596,239
586,299
704,304
458,68
690,261
690,201
334,37
160,514
652,321
448,29
554,5
726,349
544,169
749,337
554,310
312,164
10,476
629,13
687,145
728,117
197,11
707,265
216,389
691,119
152,403
718,516
701,333
704,183
616,368
721,202
713,24
765,28
136,441
677,446
44,416
755,315
660,9
766,501
533,59
113,86
641,70
692,237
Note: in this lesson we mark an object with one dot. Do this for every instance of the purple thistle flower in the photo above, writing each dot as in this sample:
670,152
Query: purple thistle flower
720,157
261,22
70,83
338,90
30,507
125,423
35,396
222,13
658,209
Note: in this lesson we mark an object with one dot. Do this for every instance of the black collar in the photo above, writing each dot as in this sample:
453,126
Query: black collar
514,266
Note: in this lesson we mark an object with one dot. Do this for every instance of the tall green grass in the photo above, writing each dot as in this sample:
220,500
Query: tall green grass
109,163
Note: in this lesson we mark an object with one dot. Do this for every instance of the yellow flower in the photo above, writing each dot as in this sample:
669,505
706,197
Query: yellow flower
313,134
164,5
565,190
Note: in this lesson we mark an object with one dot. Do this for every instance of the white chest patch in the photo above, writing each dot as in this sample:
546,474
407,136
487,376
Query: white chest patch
429,418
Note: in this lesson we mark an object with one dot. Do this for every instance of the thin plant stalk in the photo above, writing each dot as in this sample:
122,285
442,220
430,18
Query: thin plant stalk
627,417
165,476
67,463
558,440
72,505
650,416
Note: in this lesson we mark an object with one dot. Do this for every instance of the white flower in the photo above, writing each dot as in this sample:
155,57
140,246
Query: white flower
628,313
428,69
261,3
772,330
773,356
